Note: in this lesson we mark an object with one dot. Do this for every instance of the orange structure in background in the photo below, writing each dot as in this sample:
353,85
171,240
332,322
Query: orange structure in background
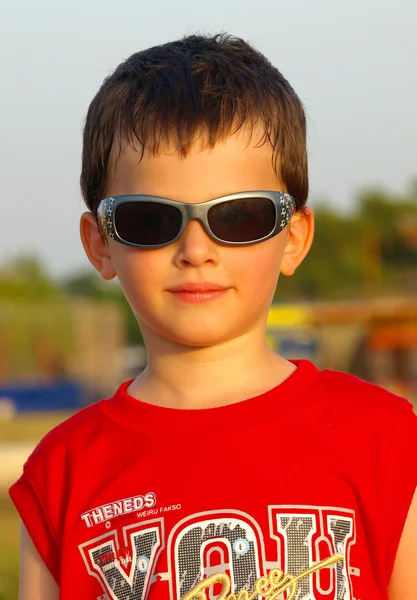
375,339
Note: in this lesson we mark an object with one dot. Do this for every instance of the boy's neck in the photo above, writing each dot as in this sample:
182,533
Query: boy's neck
193,378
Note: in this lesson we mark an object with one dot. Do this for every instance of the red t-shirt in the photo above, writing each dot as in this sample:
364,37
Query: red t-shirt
126,500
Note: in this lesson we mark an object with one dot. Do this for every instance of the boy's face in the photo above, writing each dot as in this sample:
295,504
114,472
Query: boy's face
248,274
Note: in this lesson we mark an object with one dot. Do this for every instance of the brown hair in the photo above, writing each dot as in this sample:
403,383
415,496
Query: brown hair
206,86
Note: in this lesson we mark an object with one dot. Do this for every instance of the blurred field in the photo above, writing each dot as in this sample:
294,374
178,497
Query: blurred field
17,437
29,426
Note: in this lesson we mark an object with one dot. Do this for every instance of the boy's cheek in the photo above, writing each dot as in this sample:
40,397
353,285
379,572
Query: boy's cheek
263,264
136,267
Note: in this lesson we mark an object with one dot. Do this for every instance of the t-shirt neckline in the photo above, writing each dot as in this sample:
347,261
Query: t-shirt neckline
157,421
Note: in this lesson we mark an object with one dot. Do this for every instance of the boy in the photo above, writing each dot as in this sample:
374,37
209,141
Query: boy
222,470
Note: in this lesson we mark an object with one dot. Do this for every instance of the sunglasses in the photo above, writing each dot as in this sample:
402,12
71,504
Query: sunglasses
237,219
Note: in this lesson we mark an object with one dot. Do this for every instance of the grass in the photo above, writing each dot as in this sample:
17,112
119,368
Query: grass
26,427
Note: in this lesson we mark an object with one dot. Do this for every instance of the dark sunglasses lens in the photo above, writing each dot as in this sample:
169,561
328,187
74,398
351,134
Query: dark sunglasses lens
243,220
147,223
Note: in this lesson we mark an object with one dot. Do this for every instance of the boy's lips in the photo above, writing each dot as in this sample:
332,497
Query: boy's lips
196,288
196,293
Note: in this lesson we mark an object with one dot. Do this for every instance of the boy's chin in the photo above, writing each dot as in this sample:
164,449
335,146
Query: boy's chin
199,335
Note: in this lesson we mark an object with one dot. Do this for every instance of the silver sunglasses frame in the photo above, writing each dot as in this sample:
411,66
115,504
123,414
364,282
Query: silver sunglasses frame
284,203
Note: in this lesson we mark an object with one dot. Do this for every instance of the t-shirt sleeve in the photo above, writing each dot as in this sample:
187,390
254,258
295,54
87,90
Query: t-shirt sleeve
402,479
28,502
38,495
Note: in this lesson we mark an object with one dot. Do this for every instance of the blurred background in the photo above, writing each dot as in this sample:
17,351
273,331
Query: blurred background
68,338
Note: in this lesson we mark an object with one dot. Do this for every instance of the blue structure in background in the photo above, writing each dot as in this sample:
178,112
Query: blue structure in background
61,395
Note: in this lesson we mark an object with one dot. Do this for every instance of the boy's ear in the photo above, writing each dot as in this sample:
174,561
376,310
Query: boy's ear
95,246
299,239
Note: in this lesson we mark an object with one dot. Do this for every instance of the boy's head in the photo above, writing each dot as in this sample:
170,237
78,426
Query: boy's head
190,121
195,90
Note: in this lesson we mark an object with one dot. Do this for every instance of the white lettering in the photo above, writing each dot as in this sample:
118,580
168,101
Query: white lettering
86,518
108,511
97,515
118,508
138,502
128,505
150,499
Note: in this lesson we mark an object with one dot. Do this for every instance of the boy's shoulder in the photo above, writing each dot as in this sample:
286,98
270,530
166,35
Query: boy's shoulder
352,398
67,438
80,423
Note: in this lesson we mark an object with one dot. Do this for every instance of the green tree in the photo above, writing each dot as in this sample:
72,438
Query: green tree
371,251
24,277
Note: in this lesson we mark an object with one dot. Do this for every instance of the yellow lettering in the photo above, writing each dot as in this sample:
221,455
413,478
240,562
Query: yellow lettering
267,587
198,593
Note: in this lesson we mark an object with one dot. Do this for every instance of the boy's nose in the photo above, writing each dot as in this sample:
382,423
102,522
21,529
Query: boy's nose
195,247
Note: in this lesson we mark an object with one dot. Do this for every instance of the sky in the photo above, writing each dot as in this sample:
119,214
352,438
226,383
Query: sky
354,65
